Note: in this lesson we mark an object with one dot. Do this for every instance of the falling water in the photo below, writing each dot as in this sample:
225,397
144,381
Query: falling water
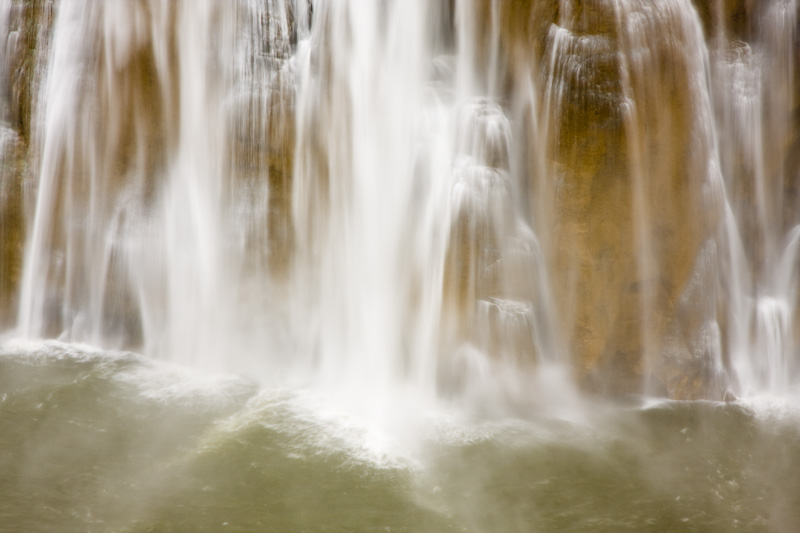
755,86
407,196
399,265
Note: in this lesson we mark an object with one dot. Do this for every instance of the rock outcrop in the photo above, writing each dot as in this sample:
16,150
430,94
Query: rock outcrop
25,31
624,193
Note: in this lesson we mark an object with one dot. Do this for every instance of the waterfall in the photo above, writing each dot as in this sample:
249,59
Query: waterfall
479,201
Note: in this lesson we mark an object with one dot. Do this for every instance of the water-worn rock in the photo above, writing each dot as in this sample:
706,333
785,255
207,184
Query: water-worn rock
263,134
25,30
12,234
622,191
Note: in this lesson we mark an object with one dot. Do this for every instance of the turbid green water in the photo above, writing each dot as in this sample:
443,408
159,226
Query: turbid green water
91,441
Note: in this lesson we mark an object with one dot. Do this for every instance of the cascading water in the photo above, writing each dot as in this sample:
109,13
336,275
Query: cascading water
128,213
410,246
754,88
341,190
166,178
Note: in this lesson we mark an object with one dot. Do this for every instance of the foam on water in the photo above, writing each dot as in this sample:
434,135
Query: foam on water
314,422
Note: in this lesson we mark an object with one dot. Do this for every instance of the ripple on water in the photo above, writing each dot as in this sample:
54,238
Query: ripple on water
103,441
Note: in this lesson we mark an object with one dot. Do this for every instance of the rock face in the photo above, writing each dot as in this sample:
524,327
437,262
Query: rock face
12,235
623,190
263,133
25,30
625,145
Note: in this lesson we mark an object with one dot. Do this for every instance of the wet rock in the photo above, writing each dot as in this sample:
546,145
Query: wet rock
12,231
491,266
620,186
729,397
729,19
262,125
25,39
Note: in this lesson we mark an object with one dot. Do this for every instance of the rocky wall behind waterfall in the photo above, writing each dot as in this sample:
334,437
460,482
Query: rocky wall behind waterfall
606,184
26,30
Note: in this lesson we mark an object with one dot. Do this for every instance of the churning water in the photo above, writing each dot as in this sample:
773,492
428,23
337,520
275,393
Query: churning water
421,231
107,441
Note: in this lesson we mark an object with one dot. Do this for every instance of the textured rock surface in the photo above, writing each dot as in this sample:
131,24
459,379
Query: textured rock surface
24,36
263,136
12,177
621,191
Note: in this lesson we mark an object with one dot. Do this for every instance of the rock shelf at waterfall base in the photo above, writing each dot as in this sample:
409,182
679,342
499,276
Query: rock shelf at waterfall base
342,265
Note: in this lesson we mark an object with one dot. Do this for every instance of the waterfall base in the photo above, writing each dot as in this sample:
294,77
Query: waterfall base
96,441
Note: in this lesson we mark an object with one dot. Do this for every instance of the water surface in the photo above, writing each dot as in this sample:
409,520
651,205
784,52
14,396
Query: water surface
98,441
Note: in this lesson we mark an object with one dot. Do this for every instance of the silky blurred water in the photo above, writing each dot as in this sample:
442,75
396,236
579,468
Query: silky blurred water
416,242
99,441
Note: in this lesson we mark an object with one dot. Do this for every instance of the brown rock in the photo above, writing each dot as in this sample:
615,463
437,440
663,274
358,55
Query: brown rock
25,40
621,191
12,231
